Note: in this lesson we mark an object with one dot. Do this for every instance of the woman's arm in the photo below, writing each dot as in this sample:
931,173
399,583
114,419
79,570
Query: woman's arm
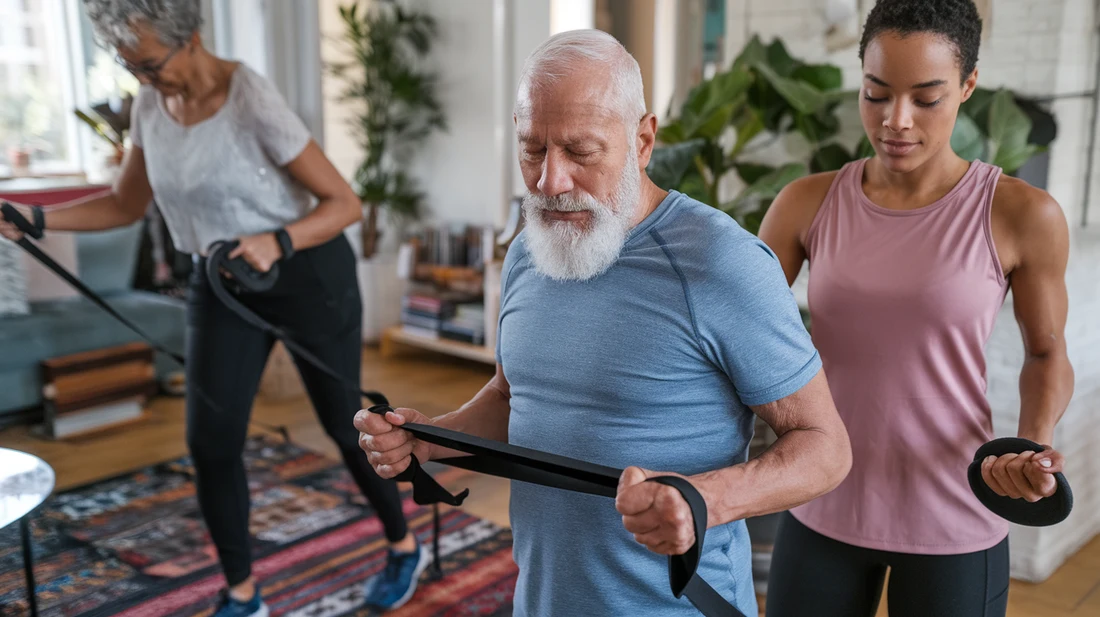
789,217
125,203
1037,247
338,207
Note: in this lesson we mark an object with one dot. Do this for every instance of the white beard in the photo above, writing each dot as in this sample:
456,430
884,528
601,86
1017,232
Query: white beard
566,251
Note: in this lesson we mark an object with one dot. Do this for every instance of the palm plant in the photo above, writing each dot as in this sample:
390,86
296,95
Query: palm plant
397,105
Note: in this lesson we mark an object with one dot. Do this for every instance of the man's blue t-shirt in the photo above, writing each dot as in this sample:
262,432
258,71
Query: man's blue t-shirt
652,363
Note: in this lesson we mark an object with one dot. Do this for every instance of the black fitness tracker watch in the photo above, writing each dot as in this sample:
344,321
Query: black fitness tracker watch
285,243
39,218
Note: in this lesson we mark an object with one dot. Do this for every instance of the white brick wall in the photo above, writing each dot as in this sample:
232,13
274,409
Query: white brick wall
1054,42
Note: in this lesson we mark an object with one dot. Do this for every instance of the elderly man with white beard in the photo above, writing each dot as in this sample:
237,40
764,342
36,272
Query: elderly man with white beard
642,330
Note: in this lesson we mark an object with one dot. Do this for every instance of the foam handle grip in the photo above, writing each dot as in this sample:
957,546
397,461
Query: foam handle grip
243,274
14,217
1047,511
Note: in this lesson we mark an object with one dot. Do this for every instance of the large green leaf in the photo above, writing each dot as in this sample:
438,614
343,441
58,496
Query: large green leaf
668,164
766,187
753,52
1044,127
780,60
695,186
824,77
801,96
748,125
817,127
977,106
830,157
1009,127
671,133
966,139
711,104
753,172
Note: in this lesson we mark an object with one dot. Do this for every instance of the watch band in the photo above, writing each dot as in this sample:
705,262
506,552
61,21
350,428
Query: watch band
39,218
285,243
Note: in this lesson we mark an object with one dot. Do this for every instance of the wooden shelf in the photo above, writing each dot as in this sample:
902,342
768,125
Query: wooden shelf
397,335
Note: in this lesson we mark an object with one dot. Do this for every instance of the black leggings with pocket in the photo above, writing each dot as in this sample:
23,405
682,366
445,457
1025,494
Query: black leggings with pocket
813,575
316,301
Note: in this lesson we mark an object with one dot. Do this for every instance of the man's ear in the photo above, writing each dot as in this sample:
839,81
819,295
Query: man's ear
647,138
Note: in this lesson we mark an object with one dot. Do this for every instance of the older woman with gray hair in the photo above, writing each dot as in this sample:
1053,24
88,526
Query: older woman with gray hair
225,158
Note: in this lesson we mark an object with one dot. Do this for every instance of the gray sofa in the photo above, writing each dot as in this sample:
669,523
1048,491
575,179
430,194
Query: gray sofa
106,262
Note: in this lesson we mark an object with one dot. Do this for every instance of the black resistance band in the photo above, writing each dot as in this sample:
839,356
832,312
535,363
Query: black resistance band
515,463
243,274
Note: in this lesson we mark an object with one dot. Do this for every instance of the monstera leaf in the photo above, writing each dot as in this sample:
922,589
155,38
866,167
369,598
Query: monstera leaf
967,140
710,105
1009,127
668,165
765,187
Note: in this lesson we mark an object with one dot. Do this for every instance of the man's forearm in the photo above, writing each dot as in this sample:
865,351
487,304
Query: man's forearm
801,465
1046,386
486,415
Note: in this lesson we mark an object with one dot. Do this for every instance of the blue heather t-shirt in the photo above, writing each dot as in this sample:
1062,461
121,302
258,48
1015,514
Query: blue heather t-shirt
652,364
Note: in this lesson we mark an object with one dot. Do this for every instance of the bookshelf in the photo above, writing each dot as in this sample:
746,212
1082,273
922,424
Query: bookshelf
454,296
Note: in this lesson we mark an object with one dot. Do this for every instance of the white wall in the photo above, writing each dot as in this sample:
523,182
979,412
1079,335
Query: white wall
467,172
1041,48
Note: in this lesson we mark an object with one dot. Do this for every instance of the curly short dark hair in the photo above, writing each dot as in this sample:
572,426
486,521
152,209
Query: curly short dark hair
955,20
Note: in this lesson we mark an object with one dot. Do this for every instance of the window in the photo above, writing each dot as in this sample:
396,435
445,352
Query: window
49,66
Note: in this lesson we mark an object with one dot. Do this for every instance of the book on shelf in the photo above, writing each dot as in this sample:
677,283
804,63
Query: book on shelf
446,268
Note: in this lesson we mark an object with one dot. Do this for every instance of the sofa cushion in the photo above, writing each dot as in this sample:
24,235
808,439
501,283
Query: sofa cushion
61,327
107,258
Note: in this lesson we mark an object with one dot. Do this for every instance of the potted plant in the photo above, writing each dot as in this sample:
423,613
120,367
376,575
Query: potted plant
111,122
397,109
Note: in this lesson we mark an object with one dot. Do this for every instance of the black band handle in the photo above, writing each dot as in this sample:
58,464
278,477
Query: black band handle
681,568
243,273
426,490
1047,511
14,217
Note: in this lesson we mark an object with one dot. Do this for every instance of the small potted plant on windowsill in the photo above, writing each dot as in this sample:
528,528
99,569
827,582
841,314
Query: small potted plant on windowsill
396,109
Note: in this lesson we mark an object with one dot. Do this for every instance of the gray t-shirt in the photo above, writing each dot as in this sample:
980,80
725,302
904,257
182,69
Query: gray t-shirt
653,363
226,176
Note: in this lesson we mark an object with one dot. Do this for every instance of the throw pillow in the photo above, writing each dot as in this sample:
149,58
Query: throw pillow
42,283
13,281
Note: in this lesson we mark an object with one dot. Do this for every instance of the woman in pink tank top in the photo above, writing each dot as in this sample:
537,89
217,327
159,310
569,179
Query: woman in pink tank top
911,255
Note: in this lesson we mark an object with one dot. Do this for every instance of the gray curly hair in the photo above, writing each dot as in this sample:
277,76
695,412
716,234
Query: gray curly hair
174,21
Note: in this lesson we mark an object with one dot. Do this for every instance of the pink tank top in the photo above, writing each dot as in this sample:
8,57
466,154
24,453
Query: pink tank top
902,304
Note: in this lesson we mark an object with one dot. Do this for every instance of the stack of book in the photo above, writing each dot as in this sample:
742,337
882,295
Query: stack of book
422,313
91,391
459,245
466,325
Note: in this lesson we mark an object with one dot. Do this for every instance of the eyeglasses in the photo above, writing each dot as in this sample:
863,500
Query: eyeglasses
151,72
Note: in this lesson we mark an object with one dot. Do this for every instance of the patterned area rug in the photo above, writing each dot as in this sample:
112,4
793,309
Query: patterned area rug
136,546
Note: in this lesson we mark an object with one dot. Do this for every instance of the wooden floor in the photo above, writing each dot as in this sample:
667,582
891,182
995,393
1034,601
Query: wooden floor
436,384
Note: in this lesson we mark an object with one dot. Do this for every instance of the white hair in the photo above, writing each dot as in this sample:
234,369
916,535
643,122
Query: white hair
173,21
553,60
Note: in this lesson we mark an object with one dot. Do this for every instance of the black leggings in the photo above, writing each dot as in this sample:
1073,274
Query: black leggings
815,575
316,300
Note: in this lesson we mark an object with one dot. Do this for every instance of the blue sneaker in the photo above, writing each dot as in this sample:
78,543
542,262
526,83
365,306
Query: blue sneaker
396,584
228,606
